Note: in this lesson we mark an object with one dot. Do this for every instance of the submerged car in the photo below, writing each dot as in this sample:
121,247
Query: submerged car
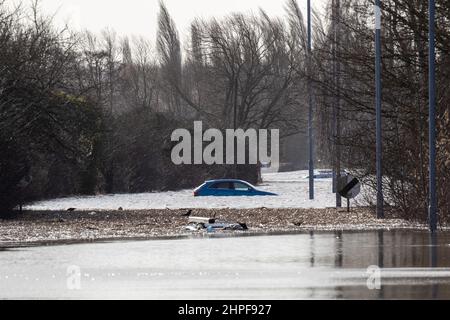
229,188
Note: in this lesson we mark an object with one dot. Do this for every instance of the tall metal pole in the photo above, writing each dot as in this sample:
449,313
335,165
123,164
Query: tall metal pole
337,101
338,98
379,151
310,117
334,111
432,122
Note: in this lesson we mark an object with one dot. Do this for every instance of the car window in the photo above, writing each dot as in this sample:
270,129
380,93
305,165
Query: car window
222,186
241,186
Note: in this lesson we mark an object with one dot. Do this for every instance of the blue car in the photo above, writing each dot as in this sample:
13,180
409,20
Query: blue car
229,188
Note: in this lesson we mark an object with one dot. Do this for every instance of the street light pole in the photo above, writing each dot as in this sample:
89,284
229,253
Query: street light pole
379,147
337,114
432,115
334,120
310,117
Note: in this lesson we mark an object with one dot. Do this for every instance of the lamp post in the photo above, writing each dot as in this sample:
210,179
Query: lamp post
334,120
337,103
379,143
310,116
432,115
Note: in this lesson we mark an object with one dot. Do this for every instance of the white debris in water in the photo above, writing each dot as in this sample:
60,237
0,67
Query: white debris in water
292,188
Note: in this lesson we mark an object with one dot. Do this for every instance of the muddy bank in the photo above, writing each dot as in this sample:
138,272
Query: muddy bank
49,227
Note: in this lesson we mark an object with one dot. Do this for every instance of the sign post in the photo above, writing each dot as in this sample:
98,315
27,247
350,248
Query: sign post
349,188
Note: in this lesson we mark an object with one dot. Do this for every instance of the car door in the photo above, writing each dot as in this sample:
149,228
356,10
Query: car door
221,189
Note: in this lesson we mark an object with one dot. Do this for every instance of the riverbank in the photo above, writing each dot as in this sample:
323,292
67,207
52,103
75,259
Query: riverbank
49,227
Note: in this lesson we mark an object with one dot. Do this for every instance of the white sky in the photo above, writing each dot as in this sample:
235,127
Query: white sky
138,17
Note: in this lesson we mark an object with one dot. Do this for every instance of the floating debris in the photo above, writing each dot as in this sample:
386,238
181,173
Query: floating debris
49,226
191,228
187,214
211,225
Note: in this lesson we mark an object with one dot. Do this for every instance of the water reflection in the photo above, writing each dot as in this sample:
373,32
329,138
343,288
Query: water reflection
409,251
434,250
390,249
381,261
381,249
329,265
339,254
434,261
338,259
312,244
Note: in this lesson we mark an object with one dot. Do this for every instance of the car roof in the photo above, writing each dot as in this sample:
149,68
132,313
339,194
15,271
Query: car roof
227,180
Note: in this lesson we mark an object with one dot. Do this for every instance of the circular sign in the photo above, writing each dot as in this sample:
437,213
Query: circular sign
349,187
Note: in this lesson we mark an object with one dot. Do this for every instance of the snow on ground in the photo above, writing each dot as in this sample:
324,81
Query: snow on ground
292,188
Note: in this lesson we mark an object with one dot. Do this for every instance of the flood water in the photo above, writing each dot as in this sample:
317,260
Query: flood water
413,265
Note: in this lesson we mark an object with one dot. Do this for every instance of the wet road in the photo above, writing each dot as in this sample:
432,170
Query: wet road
306,266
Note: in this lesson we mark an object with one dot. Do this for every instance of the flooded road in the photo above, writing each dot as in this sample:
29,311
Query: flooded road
349,265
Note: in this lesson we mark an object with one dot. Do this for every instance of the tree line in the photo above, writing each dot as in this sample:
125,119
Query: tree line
82,113
344,57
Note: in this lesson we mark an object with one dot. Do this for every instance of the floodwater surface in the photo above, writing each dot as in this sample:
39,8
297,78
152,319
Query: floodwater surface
337,265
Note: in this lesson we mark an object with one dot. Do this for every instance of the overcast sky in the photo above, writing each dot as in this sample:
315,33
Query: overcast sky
138,17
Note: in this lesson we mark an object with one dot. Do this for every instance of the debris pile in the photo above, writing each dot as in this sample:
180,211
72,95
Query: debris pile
78,225
212,225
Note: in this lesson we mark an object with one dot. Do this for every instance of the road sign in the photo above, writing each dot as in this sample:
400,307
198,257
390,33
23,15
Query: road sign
349,187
